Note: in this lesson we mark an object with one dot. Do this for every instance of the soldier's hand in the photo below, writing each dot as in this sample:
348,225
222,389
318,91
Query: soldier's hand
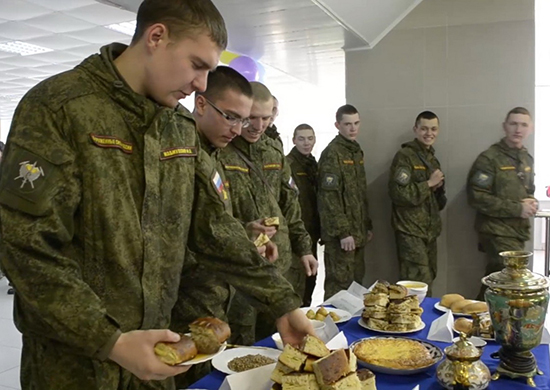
370,235
310,264
135,351
271,252
529,207
261,250
254,229
348,244
435,178
294,326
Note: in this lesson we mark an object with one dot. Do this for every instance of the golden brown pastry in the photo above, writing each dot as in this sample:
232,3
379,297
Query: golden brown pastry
477,307
463,325
292,358
397,292
448,299
402,354
280,371
459,305
176,353
209,334
332,367
314,347
367,379
261,240
272,221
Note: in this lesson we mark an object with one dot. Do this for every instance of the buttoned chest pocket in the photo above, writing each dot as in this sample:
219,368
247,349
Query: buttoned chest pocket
273,175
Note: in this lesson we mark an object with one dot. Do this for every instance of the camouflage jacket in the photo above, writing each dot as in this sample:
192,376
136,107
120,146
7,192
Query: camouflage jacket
96,191
343,204
216,234
272,133
304,172
498,181
415,207
253,200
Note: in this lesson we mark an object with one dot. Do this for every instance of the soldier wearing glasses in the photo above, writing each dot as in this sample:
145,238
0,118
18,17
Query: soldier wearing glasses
501,188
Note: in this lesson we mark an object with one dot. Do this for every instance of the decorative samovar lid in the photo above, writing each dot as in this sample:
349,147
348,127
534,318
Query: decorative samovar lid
463,350
516,275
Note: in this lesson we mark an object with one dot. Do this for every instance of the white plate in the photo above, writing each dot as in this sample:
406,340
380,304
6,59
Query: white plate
363,324
221,361
344,315
443,309
201,358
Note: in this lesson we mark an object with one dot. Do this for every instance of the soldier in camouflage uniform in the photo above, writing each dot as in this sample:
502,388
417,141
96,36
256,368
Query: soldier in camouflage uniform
271,130
343,206
501,187
304,172
417,191
96,193
260,186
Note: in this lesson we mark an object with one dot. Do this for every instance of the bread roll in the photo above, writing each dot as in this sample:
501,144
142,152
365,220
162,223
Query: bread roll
448,299
458,306
209,334
176,353
477,307
463,325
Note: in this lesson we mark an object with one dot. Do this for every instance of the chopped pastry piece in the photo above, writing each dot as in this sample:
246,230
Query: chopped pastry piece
313,346
293,358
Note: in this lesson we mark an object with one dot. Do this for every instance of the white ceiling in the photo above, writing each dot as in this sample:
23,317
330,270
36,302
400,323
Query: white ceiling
295,39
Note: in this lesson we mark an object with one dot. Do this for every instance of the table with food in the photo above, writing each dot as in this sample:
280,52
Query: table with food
495,344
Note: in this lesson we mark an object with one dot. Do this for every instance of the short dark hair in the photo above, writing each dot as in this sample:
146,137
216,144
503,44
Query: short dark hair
182,18
223,79
303,126
425,115
517,110
346,109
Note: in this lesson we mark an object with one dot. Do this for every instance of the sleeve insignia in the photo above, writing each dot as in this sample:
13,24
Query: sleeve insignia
403,176
29,173
330,181
482,179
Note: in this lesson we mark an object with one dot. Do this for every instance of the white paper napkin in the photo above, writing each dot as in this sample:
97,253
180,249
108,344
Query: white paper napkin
350,300
338,342
255,379
329,331
417,387
442,328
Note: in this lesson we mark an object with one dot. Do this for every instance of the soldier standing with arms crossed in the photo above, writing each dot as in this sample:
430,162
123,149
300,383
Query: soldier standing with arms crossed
501,188
346,226
304,172
417,191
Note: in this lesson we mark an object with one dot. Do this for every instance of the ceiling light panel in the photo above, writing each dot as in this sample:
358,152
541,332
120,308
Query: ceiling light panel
127,28
22,48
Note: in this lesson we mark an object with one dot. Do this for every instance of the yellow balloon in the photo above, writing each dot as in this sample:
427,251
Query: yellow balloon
228,56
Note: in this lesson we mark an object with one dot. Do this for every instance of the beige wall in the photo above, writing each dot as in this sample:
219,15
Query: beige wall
469,61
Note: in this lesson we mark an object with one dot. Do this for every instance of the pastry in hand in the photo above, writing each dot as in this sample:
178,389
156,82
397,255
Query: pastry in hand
176,353
209,334
261,240
272,221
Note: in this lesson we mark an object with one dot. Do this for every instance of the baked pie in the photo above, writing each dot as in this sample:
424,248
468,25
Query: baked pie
396,353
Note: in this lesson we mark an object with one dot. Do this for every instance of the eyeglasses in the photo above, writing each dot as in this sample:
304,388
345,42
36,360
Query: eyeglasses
230,119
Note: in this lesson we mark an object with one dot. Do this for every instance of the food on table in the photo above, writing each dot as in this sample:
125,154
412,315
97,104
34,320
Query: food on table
477,307
396,353
333,371
480,326
448,299
272,221
321,314
382,312
176,353
458,306
261,240
248,362
209,334
366,377
463,325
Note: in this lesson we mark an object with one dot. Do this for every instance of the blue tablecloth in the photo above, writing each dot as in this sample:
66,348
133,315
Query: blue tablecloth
427,380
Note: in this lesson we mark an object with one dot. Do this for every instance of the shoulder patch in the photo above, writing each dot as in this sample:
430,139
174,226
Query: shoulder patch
107,141
482,179
292,184
219,187
402,176
183,151
330,181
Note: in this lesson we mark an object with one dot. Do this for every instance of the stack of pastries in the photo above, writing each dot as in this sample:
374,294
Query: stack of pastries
388,308
312,366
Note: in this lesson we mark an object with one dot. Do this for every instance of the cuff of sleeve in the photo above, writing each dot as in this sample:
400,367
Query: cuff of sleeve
290,302
518,209
103,353
344,235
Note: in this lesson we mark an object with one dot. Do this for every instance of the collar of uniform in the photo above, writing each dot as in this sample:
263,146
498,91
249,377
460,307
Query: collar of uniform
511,152
272,132
205,143
351,145
242,144
417,146
309,159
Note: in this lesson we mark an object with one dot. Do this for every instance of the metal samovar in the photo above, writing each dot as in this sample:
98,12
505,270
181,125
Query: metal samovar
518,300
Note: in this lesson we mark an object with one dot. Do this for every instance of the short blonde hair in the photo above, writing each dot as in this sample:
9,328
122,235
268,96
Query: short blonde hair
261,92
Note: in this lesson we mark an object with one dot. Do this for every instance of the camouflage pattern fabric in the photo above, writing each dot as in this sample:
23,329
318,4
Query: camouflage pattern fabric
343,210
252,200
417,258
342,268
415,207
492,245
305,174
274,134
498,181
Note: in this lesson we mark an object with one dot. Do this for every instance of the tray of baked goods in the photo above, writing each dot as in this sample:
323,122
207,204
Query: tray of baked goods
396,355
313,366
320,313
207,340
388,309
460,306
